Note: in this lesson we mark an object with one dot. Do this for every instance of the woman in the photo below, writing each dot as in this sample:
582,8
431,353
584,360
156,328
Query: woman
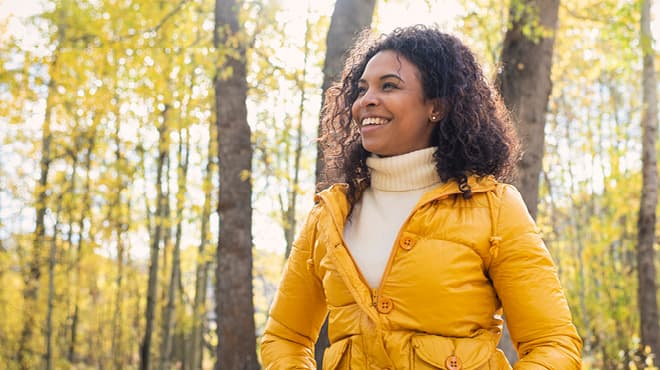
418,255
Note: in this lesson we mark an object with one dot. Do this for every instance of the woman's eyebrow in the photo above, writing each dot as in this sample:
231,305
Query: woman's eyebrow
391,75
383,77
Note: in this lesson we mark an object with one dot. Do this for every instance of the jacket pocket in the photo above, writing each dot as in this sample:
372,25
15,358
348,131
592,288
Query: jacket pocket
338,355
433,352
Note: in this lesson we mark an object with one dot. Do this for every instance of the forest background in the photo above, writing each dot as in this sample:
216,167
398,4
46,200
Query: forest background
111,168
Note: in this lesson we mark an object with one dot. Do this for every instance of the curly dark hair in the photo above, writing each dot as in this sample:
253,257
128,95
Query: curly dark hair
475,137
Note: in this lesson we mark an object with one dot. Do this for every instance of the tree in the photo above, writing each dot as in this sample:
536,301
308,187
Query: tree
31,288
646,289
348,19
204,256
173,292
236,348
156,238
525,85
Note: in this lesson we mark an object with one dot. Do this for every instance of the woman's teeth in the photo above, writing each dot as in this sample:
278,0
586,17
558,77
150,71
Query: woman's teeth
374,121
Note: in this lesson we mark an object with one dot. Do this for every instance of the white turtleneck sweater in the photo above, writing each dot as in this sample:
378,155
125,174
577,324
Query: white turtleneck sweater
397,183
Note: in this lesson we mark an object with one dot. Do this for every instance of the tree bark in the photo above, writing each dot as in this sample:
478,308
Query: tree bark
646,274
236,348
152,288
525,85
348,19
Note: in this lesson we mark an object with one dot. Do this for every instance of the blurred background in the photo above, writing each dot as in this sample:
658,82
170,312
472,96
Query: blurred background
132,231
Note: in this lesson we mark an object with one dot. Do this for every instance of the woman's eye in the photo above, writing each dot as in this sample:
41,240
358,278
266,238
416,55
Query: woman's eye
389,86
361,90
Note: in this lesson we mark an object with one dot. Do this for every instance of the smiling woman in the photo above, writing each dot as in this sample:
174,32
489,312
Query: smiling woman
418,256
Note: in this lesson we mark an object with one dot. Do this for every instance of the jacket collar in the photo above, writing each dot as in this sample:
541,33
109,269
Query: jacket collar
477,185
334,198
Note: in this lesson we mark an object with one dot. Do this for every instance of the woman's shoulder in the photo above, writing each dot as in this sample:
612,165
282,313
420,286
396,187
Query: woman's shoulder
332,195
513,212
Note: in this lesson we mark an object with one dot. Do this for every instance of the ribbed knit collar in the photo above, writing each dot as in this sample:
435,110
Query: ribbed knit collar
411,171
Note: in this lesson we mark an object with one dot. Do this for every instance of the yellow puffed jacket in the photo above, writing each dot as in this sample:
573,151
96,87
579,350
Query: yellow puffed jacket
455,265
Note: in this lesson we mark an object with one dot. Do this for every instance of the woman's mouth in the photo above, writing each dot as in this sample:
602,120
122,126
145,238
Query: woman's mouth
374,121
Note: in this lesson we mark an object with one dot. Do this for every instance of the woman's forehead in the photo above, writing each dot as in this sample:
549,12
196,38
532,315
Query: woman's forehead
388,62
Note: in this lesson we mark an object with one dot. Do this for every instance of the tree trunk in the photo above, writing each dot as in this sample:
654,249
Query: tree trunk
203,258
348,19
168,317
236,348
290,213
115,213
525,85
72,285
152,288
85,211
26,350
51,288
646,290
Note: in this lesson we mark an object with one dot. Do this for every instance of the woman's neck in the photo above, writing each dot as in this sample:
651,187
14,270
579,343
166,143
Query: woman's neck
411,171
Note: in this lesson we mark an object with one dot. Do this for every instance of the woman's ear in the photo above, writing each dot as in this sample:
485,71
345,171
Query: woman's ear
439,109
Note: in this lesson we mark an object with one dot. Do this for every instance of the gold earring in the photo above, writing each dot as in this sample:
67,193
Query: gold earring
433,118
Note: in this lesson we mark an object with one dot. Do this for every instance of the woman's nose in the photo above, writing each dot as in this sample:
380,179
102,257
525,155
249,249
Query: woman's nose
370,98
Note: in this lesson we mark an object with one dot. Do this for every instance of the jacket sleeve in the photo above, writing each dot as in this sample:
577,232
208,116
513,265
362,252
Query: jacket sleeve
527,284
298,310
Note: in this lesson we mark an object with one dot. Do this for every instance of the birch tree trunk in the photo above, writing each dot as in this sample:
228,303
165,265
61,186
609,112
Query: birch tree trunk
236,348
646,274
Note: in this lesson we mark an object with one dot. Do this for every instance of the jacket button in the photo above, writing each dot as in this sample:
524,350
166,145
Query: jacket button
384,305
407,243
453,363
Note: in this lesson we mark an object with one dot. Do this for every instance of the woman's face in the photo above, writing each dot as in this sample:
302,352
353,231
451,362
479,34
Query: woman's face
393,115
